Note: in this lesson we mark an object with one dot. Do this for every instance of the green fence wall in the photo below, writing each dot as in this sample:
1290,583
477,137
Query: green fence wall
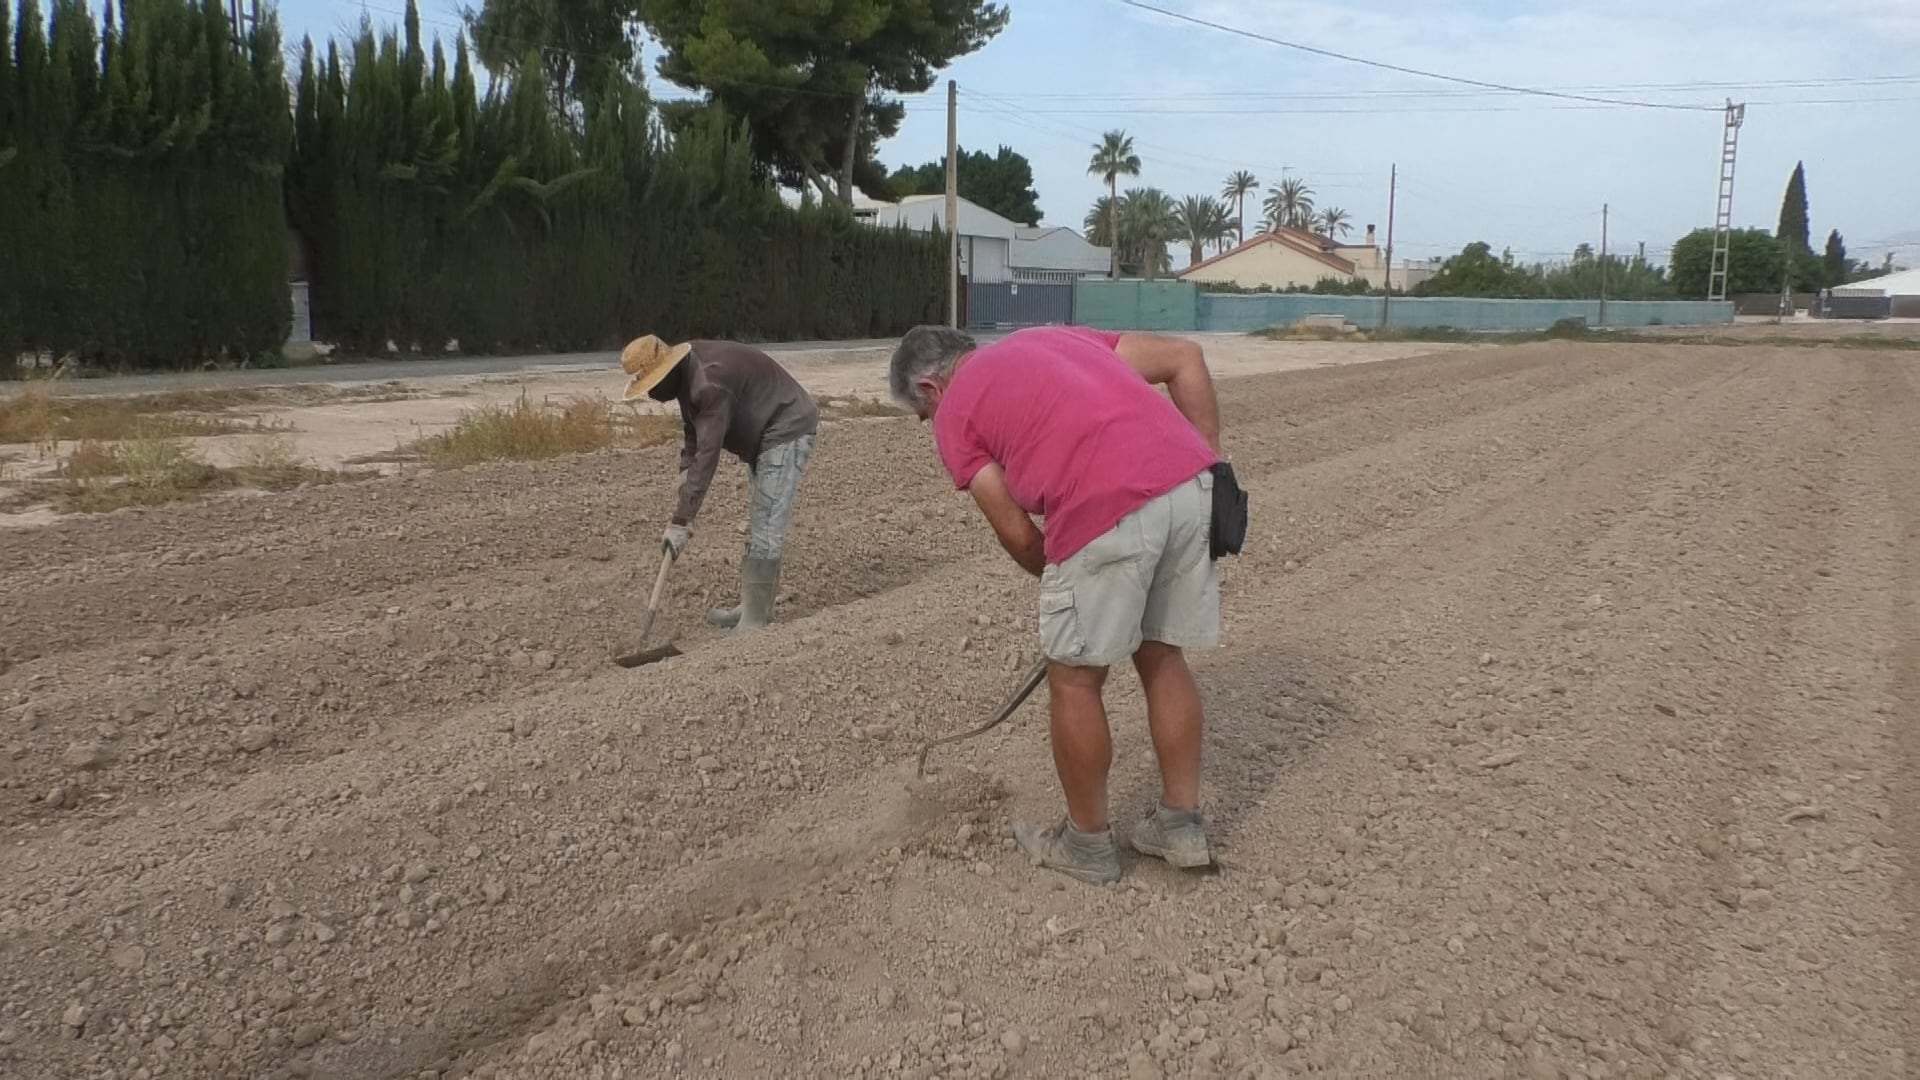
1169,306
1180,307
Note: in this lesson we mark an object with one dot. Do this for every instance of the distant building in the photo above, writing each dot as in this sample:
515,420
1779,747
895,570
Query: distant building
1294,258
1057,253
992,248
1896,295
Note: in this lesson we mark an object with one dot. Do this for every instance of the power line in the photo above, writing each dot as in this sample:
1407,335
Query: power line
1381,92
1174,157
1469,110
1384,66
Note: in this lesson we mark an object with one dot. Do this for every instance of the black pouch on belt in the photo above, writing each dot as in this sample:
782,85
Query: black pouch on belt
1229,512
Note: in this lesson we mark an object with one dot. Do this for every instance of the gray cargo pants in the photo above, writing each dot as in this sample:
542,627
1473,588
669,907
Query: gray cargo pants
775,479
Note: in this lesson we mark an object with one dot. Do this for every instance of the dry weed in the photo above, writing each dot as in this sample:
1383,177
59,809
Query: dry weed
153,467
854,408
37,416
526,431
91,460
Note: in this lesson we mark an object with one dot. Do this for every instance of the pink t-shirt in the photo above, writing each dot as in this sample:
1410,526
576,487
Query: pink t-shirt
1084,440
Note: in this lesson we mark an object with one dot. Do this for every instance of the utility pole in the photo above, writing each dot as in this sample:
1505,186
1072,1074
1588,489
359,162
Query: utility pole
1386,297
1723,207
953,204
1786,288
1603,264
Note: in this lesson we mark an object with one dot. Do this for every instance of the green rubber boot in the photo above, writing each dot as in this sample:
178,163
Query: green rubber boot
759,586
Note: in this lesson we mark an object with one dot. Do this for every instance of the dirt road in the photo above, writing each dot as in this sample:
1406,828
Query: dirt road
1566,726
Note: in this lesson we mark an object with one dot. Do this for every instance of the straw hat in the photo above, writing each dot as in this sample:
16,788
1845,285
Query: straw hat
649,360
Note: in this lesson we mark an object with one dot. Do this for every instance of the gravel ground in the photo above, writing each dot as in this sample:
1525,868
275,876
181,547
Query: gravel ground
1565,726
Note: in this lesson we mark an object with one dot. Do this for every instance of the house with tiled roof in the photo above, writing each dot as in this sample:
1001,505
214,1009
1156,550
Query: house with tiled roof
1286,258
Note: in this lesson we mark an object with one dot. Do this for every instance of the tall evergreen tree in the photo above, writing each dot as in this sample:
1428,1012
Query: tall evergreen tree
153,166
1793,212
1835,260
12,194
146,178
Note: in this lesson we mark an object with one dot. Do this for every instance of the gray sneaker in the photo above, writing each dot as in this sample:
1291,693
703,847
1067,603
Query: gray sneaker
1088,857
1178,836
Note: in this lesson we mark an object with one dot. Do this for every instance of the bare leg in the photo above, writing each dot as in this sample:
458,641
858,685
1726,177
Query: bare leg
1082,746
1175,719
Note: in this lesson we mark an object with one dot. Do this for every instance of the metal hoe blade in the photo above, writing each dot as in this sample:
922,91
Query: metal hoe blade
1032,682
647,656
659,652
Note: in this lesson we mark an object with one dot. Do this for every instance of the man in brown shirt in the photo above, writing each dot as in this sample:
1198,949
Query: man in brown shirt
736,398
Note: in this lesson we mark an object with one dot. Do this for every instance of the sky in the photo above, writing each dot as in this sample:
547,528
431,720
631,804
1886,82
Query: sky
1520,172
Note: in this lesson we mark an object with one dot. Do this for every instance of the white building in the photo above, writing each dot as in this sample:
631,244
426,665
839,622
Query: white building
1057,253
992,248
1905,283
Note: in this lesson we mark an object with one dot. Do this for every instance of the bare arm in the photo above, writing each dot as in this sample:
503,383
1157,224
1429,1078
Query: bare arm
1010,523
1180,366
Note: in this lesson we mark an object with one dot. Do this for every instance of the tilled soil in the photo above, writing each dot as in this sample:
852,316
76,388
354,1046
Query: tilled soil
1565,726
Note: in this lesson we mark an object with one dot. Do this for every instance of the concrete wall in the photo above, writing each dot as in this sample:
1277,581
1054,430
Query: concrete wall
1181,306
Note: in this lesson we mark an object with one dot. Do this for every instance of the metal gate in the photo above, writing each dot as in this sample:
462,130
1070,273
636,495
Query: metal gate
1019,303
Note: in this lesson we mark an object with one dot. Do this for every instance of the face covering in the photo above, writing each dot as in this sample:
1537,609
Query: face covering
670,387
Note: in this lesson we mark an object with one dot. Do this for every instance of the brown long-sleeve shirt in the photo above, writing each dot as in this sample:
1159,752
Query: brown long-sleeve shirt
740,400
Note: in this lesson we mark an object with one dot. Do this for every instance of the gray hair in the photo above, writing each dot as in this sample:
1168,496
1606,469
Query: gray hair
925,352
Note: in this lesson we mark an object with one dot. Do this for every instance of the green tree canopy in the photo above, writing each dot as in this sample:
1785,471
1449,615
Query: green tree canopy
1755,259
816,82
570,43
1002,182
1477,271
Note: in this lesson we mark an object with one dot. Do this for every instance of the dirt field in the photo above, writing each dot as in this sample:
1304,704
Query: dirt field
1565,726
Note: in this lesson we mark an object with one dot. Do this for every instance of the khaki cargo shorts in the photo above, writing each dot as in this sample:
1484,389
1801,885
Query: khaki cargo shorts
1149,578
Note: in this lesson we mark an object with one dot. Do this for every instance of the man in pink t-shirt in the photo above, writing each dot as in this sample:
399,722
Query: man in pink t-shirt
1065,423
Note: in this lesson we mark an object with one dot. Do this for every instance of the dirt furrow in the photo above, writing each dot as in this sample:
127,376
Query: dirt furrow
1563,729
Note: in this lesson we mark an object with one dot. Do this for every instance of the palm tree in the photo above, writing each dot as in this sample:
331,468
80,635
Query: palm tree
1199,221
1098,223
1221,230
1148,220
1113,158
1239,185
1333,223
1289,205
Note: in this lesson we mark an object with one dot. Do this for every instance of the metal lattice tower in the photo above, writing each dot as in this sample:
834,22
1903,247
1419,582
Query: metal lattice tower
1723,214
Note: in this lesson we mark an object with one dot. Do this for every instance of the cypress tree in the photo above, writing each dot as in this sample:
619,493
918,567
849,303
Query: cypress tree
1835,261
1793,212
13,205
